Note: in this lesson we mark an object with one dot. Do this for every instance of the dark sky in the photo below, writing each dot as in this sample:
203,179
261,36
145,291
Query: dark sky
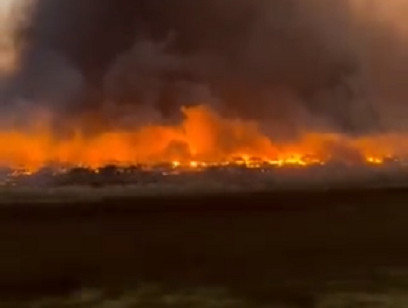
291,64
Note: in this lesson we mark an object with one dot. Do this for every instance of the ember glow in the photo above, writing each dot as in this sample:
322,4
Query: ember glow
203,139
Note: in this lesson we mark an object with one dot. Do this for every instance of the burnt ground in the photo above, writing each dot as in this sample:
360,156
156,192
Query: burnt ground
286,247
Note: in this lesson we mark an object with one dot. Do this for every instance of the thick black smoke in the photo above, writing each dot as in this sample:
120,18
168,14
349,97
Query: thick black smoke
291,64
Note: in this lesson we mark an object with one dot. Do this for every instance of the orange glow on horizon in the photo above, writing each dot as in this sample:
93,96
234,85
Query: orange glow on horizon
203,139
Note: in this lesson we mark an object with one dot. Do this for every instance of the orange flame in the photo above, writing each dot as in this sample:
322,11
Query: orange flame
204,138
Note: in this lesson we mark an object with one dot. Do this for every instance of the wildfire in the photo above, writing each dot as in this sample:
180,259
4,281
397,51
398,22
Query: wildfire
375,160
202,140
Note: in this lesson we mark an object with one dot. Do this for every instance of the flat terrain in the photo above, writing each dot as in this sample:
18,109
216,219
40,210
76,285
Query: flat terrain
288,249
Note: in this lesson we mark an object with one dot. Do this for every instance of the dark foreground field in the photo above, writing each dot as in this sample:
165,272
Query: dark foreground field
283,249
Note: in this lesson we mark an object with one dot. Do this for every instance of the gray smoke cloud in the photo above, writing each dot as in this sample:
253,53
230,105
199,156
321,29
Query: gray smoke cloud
293,65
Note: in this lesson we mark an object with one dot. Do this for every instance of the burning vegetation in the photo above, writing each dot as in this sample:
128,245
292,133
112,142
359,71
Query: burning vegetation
204,150
266,87
203,139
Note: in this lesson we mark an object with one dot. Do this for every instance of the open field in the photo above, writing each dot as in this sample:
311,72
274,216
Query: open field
333,248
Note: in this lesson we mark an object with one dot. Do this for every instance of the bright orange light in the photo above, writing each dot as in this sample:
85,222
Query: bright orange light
176,164
194,164
375,160
203,139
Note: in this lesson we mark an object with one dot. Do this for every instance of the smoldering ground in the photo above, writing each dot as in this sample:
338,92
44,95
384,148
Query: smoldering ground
293,65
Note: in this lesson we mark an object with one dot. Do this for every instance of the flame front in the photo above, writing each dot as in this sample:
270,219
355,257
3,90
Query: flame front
204,138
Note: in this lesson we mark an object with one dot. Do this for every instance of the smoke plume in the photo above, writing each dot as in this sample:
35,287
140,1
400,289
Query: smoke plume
294,66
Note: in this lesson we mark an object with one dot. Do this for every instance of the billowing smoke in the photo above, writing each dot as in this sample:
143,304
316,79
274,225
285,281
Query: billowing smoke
9,22
336,65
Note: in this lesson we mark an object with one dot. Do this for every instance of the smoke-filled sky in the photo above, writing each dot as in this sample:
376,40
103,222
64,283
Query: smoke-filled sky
293,65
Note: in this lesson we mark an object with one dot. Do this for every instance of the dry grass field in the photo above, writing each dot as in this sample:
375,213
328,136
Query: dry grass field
332,248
